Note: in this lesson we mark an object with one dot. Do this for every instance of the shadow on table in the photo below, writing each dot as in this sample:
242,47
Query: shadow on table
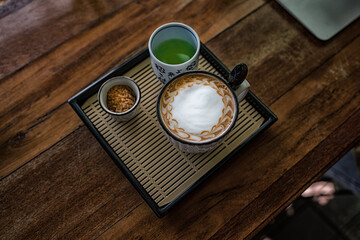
328,210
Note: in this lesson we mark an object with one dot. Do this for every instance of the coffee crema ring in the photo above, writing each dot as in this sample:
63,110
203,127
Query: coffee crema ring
189,81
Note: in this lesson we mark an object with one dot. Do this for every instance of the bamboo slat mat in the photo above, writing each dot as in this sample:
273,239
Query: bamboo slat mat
159,167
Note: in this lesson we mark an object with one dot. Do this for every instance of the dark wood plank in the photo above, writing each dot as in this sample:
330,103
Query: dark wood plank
48,82
9,6
335,146
42,25
277,49
27,144
31,31
73,191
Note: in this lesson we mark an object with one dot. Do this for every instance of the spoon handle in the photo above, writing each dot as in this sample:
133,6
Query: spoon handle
238,75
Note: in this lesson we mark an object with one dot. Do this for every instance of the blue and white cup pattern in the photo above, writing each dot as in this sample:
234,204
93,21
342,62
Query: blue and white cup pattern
163,71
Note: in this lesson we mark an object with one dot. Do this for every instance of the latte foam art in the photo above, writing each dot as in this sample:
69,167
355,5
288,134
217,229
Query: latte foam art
197,109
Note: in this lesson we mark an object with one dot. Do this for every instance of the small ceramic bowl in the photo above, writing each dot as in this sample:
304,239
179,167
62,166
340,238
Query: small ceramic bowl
102,97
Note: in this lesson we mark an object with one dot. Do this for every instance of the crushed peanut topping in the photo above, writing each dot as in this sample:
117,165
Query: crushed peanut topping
120,98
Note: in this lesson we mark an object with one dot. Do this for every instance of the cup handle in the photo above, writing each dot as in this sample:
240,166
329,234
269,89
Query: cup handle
238,82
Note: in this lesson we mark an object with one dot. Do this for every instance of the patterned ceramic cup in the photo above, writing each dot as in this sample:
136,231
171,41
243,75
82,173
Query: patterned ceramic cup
197,109
164,71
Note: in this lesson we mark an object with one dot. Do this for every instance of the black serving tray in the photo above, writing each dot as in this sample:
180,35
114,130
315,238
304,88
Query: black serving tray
160,210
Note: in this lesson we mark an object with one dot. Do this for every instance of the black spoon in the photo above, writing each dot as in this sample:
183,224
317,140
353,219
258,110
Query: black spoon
238,75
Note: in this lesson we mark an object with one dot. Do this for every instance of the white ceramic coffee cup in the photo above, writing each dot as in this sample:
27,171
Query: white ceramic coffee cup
238,91
164,71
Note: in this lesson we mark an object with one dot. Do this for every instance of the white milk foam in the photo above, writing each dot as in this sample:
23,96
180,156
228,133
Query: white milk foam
197,108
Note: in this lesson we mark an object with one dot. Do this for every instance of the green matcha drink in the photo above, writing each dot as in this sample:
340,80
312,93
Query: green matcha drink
174,51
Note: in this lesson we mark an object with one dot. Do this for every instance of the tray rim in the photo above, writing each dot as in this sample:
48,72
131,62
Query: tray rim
80,97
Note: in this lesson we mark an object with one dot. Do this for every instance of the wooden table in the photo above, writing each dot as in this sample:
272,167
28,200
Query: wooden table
58,182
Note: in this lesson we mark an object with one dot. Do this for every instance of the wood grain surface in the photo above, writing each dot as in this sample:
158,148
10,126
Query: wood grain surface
47,82
58,183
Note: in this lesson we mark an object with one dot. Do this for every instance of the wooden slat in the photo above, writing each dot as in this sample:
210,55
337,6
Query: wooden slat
56,197
28,143
288,184
279,51
42,25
